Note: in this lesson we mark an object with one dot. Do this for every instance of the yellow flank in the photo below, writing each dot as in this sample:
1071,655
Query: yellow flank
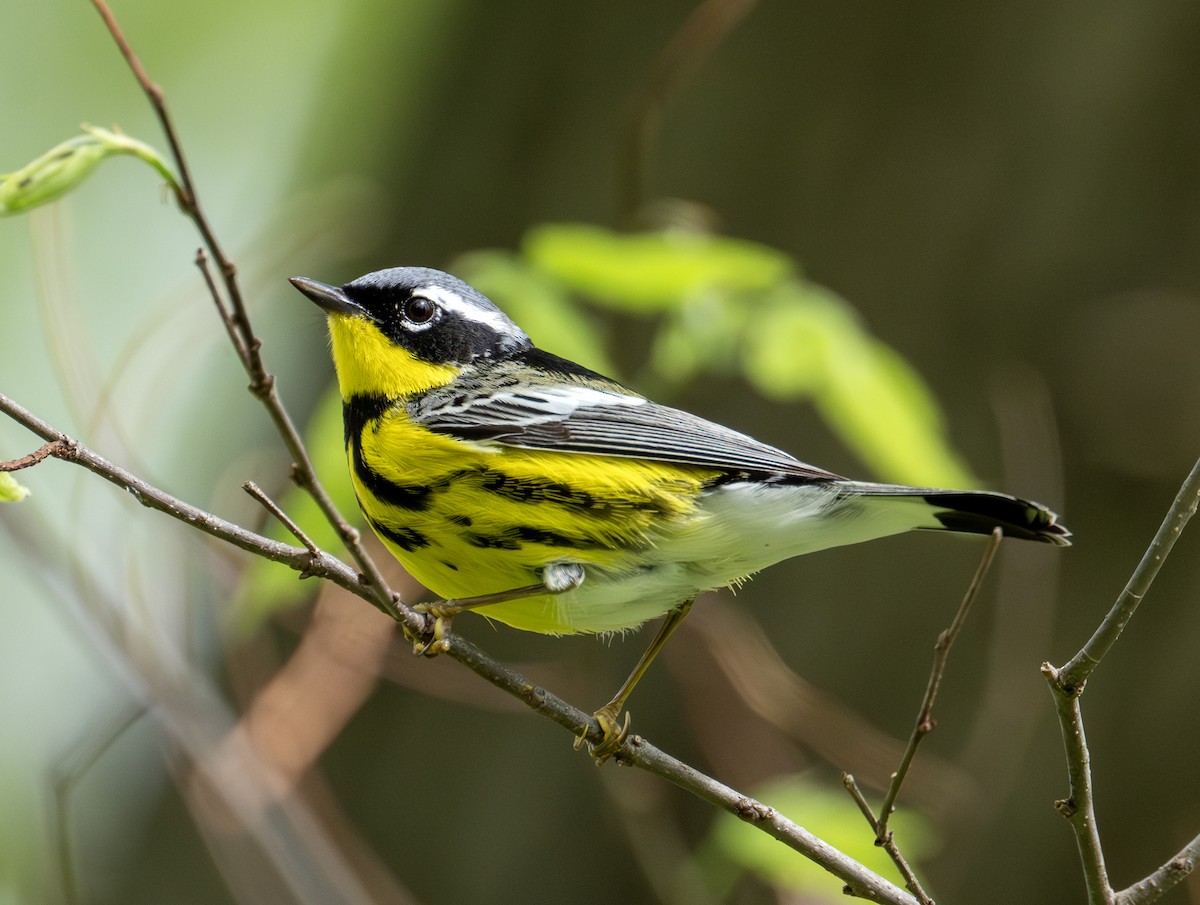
467,520
368,362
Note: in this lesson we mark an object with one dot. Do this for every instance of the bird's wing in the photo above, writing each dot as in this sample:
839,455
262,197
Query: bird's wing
562,407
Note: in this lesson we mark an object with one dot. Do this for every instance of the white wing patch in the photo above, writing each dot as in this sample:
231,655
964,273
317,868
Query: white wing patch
537,405
563,401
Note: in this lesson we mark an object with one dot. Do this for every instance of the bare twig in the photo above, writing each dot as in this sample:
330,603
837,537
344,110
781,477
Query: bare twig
231,330
888,844
1165,878
1075,673
701,33
262,383
298,558
858,879
272,507
925,722
1079,809
1067,684
924,725
49,449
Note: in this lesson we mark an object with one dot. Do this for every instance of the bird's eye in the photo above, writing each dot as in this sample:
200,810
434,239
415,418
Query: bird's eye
419,310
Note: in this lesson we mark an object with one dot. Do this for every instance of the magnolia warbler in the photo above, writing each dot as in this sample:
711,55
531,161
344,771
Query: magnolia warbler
504,476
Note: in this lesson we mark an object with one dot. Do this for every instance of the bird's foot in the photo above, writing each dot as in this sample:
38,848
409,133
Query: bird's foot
613,733
433,641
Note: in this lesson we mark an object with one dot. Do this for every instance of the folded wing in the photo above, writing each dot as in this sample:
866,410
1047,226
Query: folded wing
539,401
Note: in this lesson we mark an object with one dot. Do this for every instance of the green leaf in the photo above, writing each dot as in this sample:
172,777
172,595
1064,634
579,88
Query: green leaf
65,166
796,334
828,812
648,272
806,341
704,334
10,490
880,405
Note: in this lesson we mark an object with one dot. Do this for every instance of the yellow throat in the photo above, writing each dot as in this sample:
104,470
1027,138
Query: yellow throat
369,364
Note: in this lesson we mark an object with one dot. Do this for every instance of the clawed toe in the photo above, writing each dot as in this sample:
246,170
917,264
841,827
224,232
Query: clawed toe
433,641
614,734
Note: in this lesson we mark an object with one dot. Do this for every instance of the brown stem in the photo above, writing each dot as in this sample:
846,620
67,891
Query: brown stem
925,722
701,33
49,449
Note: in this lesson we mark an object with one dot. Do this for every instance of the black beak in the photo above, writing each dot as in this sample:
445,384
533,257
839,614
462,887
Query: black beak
331,298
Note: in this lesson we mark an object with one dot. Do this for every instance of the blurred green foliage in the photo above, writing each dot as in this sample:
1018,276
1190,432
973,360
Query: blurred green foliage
826,816
648,272
734,307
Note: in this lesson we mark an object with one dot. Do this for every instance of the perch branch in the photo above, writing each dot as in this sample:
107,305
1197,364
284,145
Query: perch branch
303,561
858,880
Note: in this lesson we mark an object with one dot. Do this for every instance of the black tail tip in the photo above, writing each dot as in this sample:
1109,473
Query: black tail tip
982,513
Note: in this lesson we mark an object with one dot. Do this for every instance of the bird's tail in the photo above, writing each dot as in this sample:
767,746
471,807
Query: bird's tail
977,512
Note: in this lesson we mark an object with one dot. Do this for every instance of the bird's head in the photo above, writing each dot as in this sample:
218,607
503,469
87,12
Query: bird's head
404,330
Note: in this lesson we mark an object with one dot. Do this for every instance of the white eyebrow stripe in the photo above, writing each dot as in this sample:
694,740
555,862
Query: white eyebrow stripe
454,303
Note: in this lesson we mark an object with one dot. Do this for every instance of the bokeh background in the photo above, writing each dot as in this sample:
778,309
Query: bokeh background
1008,195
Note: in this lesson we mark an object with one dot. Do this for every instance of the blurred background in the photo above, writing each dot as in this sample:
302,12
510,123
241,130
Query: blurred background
1006,196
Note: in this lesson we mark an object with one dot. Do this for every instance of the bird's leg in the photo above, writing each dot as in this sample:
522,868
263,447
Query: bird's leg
557,578
615,732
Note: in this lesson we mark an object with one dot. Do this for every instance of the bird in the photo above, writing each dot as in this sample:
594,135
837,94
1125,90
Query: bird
549,497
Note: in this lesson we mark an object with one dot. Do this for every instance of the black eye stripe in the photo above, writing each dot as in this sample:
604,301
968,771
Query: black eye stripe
434,316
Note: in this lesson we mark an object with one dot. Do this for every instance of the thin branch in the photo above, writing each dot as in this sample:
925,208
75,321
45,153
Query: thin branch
858,880
272,507
637,752
925,722
231,330
1067,684
888,844
701,33
1080,667
1165,878
49,449
1080,808
923,726
262,383
298,558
